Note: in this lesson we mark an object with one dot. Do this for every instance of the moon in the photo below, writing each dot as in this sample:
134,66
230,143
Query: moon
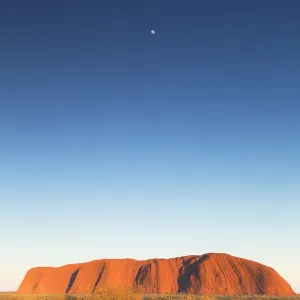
153,31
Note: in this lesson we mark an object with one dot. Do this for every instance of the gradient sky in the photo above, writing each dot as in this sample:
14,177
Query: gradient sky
117,143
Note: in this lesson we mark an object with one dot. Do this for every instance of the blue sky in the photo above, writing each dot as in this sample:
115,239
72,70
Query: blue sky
118,143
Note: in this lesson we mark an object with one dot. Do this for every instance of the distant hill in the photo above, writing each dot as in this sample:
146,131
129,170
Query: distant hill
212,273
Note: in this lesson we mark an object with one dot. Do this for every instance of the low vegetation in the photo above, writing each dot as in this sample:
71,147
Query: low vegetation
108,294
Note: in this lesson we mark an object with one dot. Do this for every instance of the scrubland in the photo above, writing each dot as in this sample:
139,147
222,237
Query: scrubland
117,295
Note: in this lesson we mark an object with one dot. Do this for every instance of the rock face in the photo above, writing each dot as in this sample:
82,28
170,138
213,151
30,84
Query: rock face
205,274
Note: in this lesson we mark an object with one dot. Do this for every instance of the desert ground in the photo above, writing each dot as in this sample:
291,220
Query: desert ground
112,295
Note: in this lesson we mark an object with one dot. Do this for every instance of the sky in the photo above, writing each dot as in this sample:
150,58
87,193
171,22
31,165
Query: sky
118,143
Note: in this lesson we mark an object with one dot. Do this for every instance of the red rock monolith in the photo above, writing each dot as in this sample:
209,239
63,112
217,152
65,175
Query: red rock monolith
210,273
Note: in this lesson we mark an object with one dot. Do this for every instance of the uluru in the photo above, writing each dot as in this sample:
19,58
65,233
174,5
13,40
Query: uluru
207,274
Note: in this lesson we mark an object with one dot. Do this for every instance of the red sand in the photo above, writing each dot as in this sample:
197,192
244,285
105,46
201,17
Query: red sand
205,274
